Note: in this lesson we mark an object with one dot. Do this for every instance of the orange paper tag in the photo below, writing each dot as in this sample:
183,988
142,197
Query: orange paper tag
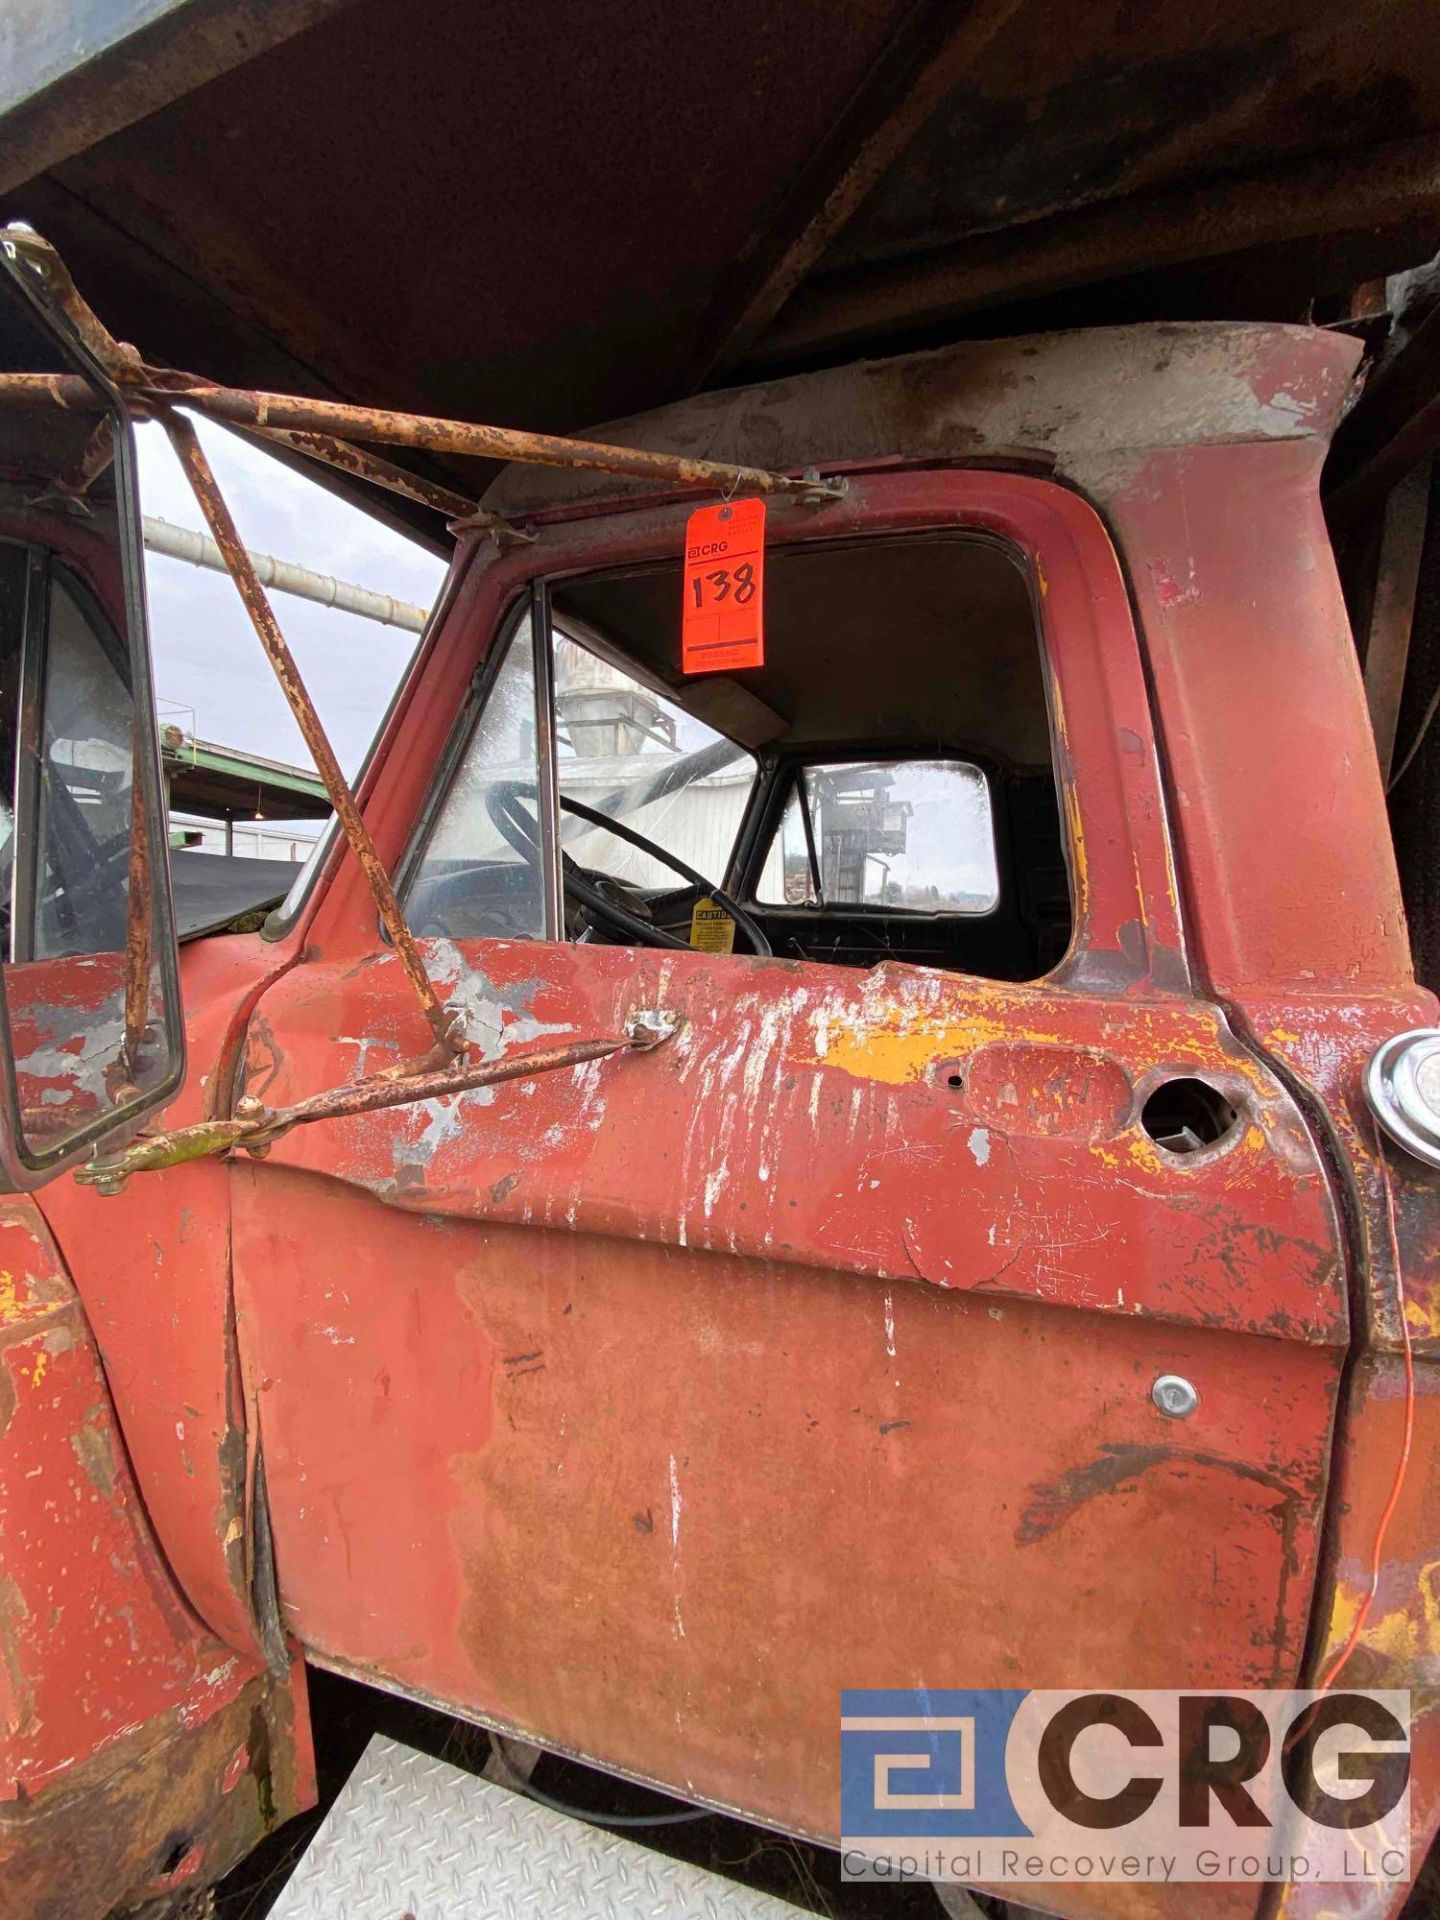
724,620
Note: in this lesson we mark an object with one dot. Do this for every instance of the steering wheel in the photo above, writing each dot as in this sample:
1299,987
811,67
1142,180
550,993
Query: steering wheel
506,803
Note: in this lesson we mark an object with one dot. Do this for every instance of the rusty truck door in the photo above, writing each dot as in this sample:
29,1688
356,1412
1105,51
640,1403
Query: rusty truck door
642,1408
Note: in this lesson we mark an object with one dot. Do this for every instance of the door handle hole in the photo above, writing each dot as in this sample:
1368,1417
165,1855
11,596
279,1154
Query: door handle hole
1186,1115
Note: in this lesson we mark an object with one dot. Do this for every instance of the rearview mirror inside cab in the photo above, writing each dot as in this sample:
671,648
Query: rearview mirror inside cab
90,1032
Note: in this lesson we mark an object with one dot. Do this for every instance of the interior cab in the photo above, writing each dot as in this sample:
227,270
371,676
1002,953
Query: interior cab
881,788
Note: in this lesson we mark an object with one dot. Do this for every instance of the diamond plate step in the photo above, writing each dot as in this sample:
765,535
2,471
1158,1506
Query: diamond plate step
409,1835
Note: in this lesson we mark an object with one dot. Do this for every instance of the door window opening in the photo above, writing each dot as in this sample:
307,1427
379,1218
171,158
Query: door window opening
882,788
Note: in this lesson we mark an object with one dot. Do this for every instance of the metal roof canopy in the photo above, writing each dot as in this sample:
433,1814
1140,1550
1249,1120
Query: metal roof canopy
222,783
526,215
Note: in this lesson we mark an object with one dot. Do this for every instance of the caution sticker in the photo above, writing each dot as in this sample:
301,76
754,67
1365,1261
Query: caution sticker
723,626
711,928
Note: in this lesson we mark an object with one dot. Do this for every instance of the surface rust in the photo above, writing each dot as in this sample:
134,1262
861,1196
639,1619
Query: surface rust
264,410
121,1715
170,1806
384,473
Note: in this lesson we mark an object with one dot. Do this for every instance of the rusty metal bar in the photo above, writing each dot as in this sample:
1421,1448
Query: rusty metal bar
375,1094
90,330
336,453
93,459
69,390
73,392
256,1127
262,616
265,411
382,473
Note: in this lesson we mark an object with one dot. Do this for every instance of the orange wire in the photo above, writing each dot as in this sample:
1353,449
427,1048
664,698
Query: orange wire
1401,1465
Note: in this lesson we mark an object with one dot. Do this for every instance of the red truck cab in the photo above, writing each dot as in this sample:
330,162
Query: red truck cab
993,1275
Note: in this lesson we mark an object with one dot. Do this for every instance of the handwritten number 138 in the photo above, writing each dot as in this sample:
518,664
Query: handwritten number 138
723,582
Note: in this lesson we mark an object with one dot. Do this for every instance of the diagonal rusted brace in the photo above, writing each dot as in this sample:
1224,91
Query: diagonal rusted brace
444,1025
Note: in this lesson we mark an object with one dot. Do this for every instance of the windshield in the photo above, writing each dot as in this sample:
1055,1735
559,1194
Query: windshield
626,751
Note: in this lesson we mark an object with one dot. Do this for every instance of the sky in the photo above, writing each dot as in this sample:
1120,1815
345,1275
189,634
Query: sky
210,673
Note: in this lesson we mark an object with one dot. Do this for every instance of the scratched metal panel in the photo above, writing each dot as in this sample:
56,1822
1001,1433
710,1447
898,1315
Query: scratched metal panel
413,1835
126,1729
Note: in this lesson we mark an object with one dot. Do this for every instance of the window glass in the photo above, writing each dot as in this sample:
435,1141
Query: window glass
480,875
788,876
629,753
909,836
84,789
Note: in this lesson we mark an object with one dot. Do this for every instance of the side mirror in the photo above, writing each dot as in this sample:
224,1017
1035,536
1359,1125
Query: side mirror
90,1029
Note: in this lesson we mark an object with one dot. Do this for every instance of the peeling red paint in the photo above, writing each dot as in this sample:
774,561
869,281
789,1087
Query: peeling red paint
111,1689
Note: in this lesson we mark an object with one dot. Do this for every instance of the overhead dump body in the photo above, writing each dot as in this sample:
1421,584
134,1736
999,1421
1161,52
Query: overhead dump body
999,401
517,216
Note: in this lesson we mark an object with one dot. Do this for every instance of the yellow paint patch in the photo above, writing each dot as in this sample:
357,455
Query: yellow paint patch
10,1307
1139,891
1407,1638
1255,1139
1343,1609
1423,1317
1080,874
1259,1077
1145,1154
1077,845
36,1373
1283,1037
906,1051
899,1044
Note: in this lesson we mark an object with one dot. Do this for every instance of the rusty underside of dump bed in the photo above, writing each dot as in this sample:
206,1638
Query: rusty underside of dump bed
525,217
